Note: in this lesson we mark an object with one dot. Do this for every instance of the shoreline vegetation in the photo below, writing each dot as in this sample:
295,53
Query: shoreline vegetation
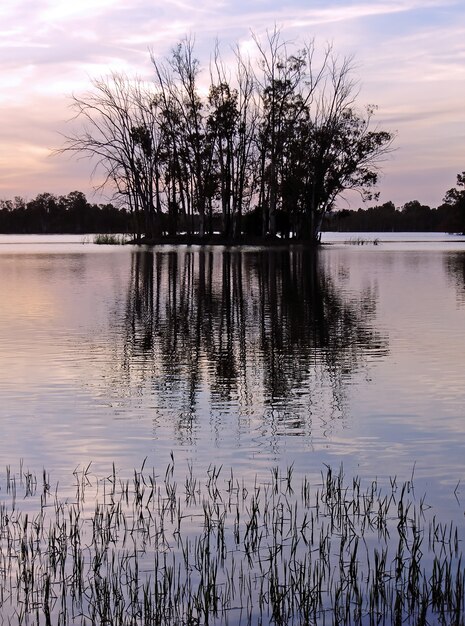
175,547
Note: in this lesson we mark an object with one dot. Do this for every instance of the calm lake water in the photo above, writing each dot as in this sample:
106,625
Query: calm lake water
188,406
249,358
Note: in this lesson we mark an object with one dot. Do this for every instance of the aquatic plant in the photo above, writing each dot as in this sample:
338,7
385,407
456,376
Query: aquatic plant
110,239
153,550
361,241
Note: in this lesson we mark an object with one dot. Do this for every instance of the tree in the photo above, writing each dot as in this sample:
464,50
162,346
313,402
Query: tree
285,84
223,126
416,216
454,203
177,80
232,123
120,134
454,195
334,148
313,142
48,213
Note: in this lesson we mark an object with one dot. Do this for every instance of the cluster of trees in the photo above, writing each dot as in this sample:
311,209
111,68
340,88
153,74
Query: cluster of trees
48,213
413,216
277,136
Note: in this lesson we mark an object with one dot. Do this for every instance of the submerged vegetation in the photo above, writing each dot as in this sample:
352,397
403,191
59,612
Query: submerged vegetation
153,549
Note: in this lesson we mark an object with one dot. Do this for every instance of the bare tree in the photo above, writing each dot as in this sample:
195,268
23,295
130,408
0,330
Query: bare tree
120,134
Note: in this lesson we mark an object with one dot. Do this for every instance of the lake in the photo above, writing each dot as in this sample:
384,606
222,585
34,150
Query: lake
246,358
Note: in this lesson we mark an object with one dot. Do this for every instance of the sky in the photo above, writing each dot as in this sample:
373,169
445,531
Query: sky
409,56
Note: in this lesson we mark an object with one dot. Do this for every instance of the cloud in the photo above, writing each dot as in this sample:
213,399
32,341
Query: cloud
409,56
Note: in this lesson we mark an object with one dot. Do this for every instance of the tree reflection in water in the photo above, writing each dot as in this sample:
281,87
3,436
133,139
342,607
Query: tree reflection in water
455,267
262,333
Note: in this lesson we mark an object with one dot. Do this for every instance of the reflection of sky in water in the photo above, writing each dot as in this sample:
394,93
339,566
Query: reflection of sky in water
413,409
86,374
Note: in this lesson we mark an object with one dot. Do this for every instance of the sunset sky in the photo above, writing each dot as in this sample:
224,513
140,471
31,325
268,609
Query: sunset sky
409,56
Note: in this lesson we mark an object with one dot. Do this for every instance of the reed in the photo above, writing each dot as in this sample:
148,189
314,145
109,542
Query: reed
362,241
212,550
110,239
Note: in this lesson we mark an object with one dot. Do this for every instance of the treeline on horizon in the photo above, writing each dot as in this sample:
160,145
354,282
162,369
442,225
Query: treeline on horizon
449,217
411,217
73,213
51,214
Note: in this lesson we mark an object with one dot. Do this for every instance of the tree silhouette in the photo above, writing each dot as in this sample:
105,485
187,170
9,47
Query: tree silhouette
454,200
283,138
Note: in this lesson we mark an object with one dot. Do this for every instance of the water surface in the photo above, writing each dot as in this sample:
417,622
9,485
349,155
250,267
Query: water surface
244,357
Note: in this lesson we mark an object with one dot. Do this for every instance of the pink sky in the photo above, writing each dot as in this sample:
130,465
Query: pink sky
409,54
